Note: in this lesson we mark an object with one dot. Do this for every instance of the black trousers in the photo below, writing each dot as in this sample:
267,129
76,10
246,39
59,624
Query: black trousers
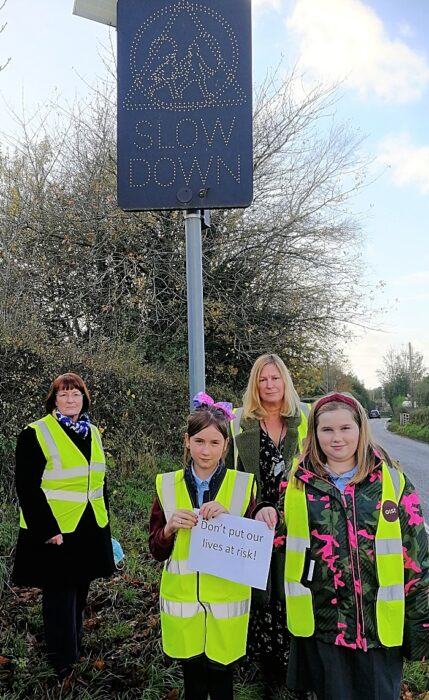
63,614
205,679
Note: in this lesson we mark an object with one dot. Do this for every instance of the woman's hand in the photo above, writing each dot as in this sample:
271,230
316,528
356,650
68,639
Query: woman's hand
58,539
211,510
185,519
268,515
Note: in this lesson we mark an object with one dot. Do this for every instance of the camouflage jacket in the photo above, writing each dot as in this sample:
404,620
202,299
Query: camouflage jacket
344,583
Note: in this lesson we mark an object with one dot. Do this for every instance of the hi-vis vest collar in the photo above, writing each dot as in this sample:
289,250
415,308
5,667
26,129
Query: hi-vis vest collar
201,613
390,602
58,472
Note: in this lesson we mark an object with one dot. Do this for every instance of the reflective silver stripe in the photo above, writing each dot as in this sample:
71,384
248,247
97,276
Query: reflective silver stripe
297,544
75,496
96,493
238,412
98,467
235,430
168,491
50,444
222,611
389,593
180,609
58,495
388,546
295,589
178,566
305,409
72,472
96,434
239,493
60,474
396,480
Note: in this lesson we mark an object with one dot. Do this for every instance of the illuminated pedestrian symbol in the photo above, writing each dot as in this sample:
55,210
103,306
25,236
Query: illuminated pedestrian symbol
184,57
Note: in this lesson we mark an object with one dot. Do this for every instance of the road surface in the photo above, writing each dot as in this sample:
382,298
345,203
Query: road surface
413,457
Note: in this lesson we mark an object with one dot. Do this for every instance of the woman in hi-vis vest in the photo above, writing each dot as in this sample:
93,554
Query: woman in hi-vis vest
357,562
204,618
267,434
64,538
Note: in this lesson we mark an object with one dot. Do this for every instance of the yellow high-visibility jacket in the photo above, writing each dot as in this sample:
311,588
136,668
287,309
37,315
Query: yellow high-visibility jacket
69,482
201,613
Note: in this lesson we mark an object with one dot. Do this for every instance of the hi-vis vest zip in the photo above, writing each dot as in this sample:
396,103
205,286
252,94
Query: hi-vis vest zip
68,481
201,613
235,428
390,604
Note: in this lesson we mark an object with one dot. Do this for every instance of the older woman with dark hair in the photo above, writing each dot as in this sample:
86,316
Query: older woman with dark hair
64,539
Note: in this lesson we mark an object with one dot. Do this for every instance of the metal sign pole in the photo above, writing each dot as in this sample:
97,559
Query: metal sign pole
194,282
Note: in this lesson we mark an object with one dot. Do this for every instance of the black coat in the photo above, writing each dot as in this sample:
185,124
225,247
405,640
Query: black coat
85,554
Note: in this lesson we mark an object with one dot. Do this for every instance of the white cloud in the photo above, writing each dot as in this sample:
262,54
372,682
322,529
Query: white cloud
267,5
345,39
409,163
366,353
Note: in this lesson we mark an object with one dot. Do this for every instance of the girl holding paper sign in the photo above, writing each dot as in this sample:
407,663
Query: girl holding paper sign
267,434
204,618
357,561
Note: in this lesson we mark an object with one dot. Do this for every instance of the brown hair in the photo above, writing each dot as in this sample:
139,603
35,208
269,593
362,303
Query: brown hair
69,380
252,407
202,417
367,449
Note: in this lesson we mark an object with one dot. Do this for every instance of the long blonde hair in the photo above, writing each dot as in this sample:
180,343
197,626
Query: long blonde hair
367,449
252,406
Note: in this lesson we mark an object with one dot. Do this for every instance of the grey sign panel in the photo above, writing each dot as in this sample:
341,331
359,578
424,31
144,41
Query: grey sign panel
184,104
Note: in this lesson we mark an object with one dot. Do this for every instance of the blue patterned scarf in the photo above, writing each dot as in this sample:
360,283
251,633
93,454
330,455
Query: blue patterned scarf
81,426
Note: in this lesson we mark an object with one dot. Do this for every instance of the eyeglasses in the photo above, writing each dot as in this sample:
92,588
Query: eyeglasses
66,394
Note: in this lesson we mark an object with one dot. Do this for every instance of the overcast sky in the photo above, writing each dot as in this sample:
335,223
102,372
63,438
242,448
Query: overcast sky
378,48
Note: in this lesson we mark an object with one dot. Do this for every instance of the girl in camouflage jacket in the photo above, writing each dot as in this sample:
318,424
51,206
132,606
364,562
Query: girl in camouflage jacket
341,474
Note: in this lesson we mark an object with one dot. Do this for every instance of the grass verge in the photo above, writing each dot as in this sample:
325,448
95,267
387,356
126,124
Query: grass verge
121,656
411,430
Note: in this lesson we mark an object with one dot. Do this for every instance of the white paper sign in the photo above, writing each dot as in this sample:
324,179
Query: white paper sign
238,549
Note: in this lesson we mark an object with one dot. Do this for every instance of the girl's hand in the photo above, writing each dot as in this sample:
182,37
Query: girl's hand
268,515
211,510
58,539
185,519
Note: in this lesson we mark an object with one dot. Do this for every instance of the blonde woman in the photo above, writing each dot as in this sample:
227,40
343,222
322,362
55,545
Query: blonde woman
267,435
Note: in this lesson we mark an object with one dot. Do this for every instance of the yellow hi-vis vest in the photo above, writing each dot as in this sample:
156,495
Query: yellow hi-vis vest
390,604
235,428
201,613
68,481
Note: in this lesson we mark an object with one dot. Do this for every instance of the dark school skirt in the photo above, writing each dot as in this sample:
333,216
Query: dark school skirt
332,671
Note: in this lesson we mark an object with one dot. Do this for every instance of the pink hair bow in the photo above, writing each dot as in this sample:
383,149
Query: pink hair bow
203,399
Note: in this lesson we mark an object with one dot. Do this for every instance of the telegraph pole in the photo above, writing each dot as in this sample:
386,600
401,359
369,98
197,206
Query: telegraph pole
410,354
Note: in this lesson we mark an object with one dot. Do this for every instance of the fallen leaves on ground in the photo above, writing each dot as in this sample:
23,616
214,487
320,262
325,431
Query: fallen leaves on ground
172,694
